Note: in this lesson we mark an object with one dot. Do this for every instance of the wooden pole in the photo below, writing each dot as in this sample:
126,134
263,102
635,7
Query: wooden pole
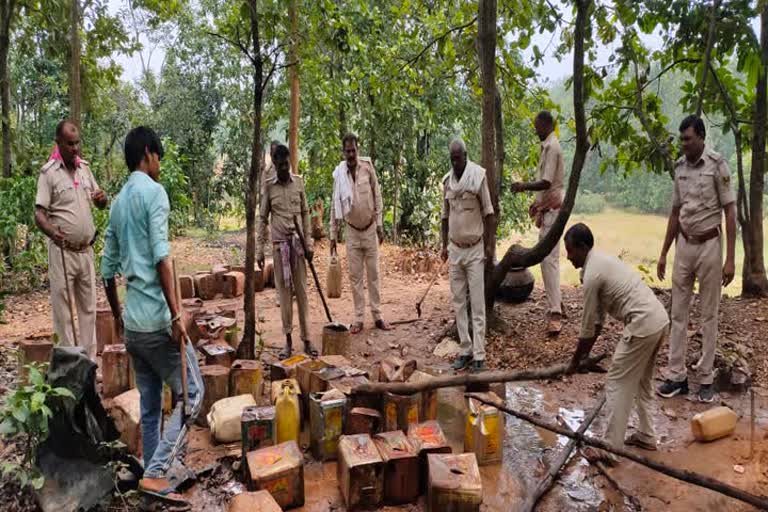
409,388
684,475
554,469
182,343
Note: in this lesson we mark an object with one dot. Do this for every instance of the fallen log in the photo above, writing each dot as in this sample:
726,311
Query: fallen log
409,388
684,475
554,469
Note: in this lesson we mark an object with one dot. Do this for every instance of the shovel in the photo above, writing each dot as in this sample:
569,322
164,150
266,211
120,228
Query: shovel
335,335
182,348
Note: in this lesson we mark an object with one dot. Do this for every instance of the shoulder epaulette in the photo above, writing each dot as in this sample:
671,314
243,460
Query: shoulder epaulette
50,164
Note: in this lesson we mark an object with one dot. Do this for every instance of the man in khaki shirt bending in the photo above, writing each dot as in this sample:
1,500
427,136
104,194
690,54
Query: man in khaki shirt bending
610,286
285,200
544,210
357,203
66,189
467,209
701,193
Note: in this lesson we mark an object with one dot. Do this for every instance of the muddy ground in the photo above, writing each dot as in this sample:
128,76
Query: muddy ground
520,342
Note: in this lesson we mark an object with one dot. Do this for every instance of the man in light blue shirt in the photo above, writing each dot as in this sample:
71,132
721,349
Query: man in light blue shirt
136,246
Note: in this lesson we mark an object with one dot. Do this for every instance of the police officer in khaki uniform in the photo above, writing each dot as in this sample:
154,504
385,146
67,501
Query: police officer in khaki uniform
467,210
702,191
285,200
268,174
357,203
65,191
610,286
544,210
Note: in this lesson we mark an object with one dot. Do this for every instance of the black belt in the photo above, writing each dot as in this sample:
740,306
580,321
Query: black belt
360,229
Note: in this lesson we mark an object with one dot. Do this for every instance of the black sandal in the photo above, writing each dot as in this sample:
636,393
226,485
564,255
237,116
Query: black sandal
285,353
310,350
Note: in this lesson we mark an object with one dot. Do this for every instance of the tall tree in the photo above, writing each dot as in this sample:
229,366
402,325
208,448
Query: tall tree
75,89
486,50
8,11
754,282
293,125
518,256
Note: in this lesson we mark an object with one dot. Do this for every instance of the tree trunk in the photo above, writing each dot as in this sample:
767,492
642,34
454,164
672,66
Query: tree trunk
486,50
247,347
7,14
754,282
293,131
517,256
499,128
75,92
396,180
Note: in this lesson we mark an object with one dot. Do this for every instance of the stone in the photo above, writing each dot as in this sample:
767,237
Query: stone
126,412
447,348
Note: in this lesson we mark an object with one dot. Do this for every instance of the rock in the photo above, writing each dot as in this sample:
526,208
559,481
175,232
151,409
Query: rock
738,468
447,348
126,413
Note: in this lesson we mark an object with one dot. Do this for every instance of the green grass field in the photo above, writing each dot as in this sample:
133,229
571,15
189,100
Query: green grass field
635,237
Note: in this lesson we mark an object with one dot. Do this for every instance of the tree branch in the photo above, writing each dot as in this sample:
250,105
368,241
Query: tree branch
707,56
236,43
409,388
761,502
434,40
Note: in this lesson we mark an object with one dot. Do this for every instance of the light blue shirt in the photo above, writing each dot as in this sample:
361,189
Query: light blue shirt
136,241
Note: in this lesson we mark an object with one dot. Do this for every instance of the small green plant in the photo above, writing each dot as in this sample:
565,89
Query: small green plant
24,417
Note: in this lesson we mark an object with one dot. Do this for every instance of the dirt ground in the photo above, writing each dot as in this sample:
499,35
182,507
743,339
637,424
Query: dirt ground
521,343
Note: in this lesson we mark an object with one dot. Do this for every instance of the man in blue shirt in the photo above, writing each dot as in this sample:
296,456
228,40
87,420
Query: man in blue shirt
136,246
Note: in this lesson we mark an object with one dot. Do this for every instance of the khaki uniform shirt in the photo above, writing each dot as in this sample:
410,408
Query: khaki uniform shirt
367,204
701,191
610,286
551,168
67,199
283,201
466,209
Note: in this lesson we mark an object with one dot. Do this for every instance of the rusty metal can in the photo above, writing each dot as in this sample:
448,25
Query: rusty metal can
257,425
401,467
454,483
362,420
278,469
428,437
360,471
400,411
326,424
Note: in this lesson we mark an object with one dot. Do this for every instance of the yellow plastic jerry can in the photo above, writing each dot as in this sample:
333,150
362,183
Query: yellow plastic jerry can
287,414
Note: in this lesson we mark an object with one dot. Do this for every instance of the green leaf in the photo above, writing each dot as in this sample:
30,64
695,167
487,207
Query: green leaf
63,392
38,482
21,414
8,428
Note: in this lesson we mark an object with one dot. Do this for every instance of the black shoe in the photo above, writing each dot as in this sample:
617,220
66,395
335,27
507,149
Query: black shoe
477,366
706,393
671,388
462,362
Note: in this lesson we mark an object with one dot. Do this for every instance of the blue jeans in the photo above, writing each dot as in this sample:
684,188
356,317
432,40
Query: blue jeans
156,360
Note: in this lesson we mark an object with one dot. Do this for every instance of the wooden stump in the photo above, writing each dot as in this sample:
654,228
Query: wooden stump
33,351
105,329
116,370
216,382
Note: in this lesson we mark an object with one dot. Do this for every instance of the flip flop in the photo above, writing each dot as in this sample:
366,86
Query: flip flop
356,328
164,496
382,325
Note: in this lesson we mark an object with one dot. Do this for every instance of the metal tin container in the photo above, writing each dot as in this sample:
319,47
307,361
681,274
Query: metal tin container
454,483
326,424
360,471
278,469
401,467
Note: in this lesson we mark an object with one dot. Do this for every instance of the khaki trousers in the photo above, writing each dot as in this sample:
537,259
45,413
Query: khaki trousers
299,276
81,275
630,381
467,272
550,266
692,261
363,255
